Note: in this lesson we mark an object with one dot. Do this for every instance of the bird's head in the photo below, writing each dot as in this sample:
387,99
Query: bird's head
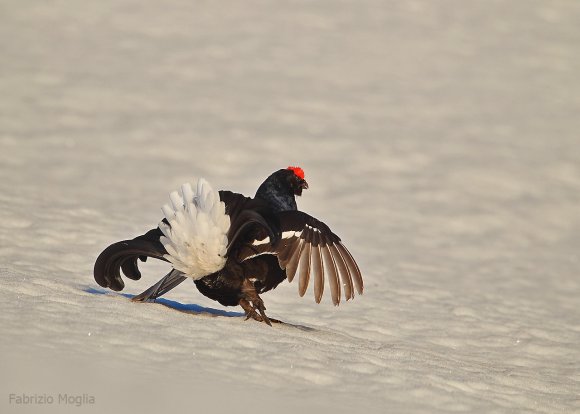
295,178
281,187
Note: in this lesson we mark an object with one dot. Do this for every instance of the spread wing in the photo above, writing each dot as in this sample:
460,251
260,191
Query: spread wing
310,249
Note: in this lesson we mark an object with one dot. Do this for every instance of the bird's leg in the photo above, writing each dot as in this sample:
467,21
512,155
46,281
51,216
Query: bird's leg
251,295
250,311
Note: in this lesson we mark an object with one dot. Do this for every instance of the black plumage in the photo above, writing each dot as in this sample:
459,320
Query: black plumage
269,241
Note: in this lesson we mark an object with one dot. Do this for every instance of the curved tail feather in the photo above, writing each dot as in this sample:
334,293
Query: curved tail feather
123,255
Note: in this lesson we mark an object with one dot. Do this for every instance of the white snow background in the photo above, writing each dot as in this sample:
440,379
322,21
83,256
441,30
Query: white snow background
440,140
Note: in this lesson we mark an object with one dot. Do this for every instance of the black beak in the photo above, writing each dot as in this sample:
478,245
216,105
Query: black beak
302,185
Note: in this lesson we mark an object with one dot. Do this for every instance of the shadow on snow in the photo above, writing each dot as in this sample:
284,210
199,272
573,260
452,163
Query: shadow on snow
191,308
188,308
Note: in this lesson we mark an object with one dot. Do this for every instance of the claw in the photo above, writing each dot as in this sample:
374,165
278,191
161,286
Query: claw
265,318
250,310
253,304
259,304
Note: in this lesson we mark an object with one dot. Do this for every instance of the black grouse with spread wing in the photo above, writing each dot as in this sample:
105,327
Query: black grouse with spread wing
235,247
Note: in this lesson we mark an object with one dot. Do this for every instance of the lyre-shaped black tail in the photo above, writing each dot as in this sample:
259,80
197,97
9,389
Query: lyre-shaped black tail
123,256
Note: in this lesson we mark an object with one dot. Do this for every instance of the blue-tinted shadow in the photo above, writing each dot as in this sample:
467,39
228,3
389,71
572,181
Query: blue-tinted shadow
189,308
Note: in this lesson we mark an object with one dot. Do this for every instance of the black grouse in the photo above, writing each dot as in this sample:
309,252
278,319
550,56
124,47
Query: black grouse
235,247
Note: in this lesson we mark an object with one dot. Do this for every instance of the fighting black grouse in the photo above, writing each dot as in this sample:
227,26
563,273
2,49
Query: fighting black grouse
235,247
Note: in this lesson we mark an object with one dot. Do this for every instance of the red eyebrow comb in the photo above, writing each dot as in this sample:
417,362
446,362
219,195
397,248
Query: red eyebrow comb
298,171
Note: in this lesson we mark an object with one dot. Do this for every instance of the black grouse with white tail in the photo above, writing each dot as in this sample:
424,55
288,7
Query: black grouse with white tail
235,247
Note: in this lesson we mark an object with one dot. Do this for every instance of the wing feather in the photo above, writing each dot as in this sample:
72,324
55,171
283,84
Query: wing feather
333,281
304,269
317,268
292,265
309,249
343,272
352,267
287,250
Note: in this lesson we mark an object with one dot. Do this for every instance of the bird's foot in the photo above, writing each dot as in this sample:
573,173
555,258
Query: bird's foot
250,311
255,310
253,305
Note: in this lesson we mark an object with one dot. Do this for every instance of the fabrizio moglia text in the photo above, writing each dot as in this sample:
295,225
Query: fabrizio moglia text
77,400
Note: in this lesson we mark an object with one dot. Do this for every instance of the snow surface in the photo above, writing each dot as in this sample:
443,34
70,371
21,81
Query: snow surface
440,141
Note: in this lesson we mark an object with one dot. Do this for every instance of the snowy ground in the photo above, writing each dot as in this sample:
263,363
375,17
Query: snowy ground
440,140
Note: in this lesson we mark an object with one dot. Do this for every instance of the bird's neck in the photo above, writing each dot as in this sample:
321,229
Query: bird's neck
279,199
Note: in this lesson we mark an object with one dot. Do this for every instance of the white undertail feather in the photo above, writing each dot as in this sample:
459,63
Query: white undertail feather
196,237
